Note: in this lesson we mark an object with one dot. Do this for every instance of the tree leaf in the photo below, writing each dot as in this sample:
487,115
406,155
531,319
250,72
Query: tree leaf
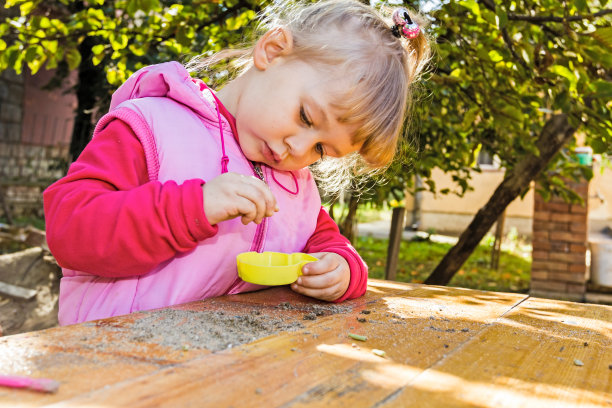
471,5
502,17
73,58
602,89
26,7
581,5
118,41
604,36
98,49
495,56
599,146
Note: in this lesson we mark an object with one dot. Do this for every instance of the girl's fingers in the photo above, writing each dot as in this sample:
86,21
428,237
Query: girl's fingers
268,197
270,200
233,195
257,197
258,192
329,294
318,281
247,209
325,279
257,203
325,264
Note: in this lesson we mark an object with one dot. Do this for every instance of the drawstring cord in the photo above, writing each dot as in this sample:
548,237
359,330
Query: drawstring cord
225,158
297,187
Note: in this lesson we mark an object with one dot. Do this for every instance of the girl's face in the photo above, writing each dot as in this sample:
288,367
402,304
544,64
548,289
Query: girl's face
285,118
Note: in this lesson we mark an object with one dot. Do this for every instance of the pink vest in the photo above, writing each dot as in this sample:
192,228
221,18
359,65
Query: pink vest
179,130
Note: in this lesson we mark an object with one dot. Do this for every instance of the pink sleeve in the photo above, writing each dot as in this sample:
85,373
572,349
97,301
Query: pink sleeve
327,238
106,218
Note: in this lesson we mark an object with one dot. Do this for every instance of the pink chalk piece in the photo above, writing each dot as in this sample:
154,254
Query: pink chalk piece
35,384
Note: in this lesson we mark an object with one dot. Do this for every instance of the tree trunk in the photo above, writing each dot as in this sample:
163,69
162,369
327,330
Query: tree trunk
415,224
331,208
90,79
347,227
555,134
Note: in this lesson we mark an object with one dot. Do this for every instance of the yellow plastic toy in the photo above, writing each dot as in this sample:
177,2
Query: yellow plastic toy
271,268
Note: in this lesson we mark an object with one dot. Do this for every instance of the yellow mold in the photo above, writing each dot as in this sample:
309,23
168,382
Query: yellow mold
271,268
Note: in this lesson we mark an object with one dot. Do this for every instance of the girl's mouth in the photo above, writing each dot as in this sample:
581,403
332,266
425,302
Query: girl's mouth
270,155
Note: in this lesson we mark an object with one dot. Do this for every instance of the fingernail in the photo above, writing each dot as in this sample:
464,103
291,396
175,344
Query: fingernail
299,281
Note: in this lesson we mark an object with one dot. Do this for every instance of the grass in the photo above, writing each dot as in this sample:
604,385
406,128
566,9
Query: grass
12,238
36,222
365,212
418,259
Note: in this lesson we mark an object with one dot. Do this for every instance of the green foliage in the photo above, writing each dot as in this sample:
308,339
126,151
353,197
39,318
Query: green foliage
25,221
500,69
418,259
128,34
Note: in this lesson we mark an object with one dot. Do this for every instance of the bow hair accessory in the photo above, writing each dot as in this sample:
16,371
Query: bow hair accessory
403,24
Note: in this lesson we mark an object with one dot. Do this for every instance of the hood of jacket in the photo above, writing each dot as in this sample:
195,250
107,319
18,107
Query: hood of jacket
170,80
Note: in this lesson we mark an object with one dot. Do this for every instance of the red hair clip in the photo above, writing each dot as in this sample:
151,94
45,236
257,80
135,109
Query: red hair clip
403,24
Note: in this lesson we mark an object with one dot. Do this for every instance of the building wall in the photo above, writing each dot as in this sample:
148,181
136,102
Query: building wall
452,214
48,116
600,197
35,130
11,106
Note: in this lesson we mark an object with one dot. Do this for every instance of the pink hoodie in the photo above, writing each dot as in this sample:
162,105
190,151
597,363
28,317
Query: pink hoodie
162,249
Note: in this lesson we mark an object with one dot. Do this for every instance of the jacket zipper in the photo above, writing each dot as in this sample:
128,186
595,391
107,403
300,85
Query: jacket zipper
258,242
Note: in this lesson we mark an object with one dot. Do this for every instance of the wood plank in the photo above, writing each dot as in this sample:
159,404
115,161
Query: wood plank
530,357
77,370
16,292
70,354
82,358
318,365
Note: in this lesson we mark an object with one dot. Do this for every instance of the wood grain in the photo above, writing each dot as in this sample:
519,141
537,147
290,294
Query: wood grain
443,347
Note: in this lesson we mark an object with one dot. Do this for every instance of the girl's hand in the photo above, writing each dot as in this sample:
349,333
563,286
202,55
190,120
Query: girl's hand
232,195
325,279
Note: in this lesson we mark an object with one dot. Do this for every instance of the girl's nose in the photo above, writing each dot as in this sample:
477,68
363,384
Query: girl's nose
300,145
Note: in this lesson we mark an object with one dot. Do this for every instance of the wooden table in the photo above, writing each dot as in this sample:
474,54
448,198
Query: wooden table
445,347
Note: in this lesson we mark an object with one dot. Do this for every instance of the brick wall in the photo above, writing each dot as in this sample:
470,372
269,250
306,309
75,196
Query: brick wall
11,105
558,267
35,129
26,171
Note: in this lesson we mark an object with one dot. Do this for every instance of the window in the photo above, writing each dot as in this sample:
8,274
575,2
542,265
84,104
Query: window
486,160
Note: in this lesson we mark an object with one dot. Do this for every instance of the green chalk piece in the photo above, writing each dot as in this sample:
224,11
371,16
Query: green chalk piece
357,337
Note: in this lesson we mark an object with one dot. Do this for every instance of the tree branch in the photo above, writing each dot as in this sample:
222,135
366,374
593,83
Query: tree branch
14,33
556,132
490,4
554,19
510,45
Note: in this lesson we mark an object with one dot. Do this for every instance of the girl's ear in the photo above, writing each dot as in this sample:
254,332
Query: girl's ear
275,43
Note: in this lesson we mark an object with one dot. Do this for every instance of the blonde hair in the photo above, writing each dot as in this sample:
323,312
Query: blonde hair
357,40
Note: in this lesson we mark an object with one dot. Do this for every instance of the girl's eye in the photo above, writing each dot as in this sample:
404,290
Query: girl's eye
304,117
319,149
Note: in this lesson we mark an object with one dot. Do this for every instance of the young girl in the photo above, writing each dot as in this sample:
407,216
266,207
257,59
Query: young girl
178,179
